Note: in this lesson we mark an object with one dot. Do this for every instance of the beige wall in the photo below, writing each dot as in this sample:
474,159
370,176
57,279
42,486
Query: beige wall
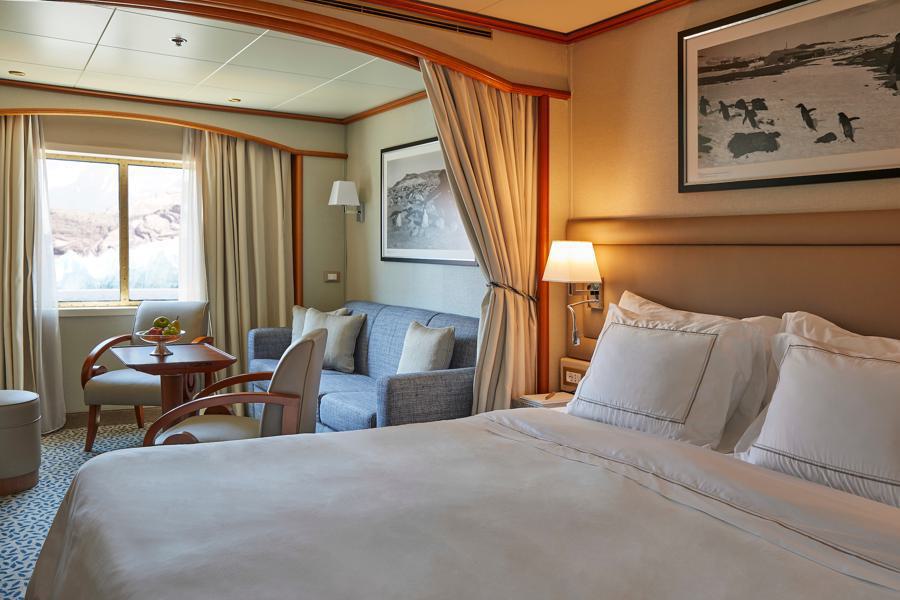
445,288
324,244
625,131
113,136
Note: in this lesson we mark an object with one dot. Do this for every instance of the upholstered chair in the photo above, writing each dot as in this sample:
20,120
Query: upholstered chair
127,387
289,404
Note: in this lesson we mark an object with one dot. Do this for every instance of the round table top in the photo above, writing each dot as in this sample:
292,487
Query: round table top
16,397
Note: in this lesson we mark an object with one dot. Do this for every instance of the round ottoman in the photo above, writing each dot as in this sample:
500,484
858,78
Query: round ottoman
20,441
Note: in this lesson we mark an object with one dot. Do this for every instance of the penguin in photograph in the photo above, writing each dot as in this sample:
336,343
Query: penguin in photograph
827,138
759,104
741,104
723,108
847,125
750,115
806,113
704,106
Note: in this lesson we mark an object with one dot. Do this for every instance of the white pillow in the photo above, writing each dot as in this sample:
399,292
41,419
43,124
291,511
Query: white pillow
299,319
745,408
426,348
834,419
340,346
675,377
819,330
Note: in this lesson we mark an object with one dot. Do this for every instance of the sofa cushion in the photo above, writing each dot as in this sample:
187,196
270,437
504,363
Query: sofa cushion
388,334
333,381
347,411
426,349
371,310
465,336
299,320
343,331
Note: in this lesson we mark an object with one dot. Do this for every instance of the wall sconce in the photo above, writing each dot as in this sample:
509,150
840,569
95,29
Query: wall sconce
343,193
572,263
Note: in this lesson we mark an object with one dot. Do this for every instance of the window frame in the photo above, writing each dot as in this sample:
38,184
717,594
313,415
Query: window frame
123,163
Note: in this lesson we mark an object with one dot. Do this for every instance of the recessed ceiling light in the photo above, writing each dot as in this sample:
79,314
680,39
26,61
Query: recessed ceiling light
17,73
234,99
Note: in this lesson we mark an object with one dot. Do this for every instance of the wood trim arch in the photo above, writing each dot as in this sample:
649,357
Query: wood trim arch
289,19
111,114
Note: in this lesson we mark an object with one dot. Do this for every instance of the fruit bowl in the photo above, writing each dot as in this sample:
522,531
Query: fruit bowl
160,341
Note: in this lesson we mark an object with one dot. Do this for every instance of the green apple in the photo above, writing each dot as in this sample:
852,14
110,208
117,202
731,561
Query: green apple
171,331
161,322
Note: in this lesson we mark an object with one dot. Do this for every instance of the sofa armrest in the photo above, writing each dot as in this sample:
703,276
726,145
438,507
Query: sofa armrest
268,342
423,397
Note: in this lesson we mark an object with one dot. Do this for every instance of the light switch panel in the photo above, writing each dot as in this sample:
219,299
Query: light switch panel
332,276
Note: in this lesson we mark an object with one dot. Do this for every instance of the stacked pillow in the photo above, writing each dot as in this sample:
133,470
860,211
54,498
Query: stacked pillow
673,373
835,415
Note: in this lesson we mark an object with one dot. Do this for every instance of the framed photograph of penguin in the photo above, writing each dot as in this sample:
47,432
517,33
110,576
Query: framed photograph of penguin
420,220
801,91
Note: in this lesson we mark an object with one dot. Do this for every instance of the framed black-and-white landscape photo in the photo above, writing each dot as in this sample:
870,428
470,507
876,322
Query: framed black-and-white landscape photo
420,221
795,92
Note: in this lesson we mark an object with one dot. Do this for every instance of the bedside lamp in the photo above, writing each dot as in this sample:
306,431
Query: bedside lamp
343,193
572,263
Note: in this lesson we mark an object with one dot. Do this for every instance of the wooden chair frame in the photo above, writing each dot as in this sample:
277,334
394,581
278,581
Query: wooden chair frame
204,400
91,369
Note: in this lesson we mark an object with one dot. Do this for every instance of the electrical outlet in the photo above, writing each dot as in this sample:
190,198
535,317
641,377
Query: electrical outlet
573,377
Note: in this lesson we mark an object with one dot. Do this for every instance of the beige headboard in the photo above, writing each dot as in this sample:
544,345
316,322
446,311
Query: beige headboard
843,266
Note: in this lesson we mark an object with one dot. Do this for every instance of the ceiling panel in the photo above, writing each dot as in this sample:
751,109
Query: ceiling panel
43,50
196,20
76,22
215,95
343,98
39,73
290,56
273,82
382,72
137,86
153,34
129,63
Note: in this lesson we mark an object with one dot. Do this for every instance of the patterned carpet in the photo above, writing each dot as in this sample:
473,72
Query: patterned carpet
25,518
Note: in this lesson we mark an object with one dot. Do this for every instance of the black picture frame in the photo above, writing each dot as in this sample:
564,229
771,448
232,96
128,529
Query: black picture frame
428,146
686,186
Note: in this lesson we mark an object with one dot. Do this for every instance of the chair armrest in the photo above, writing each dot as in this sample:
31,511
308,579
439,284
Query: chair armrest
423,397
90,369
235,380
268,342
290,414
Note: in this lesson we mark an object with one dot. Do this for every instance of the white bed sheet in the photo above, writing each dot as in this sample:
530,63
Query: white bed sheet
523,504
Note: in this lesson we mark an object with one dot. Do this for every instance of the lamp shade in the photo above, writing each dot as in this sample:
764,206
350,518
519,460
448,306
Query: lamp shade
343,193
572,262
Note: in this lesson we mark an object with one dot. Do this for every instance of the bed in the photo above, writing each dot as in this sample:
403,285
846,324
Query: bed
527,503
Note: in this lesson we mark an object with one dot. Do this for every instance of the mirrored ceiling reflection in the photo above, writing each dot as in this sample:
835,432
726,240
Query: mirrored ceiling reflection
150,53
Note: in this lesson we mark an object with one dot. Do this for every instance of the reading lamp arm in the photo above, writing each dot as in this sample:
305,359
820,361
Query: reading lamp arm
576,339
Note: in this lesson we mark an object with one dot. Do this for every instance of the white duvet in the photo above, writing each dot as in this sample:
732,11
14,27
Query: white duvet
522,504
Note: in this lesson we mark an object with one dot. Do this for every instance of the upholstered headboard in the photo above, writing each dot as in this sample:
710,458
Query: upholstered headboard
843,266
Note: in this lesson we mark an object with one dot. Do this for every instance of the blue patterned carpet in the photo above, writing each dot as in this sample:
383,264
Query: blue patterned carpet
25,518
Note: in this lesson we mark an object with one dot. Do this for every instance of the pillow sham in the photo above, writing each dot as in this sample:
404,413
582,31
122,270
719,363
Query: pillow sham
426,348
834,419
742,409
675,377
340,346
299,318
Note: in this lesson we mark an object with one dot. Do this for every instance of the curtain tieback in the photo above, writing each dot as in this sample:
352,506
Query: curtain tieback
509,288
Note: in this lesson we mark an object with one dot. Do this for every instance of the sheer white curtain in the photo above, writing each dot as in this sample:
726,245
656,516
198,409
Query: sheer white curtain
30,356
489,141
192,268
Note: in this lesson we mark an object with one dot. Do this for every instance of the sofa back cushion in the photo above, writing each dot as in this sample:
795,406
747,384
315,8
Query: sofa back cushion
380,342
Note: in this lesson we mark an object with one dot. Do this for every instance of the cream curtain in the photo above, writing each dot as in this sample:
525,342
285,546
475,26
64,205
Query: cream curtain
245,200
30,357
192,263
489,140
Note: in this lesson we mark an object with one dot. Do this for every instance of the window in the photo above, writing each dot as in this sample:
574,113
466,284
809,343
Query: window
116,224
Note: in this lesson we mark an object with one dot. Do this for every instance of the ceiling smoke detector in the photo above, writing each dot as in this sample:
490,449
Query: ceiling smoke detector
179,41
17,73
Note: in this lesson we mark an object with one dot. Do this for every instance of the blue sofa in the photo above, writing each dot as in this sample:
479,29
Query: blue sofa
374,395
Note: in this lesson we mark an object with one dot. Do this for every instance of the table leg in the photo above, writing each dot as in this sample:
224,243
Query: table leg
172,391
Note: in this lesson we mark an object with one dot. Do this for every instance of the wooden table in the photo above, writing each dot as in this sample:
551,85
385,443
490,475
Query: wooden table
184,360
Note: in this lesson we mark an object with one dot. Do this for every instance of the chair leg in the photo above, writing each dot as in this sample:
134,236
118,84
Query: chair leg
93,423
139,416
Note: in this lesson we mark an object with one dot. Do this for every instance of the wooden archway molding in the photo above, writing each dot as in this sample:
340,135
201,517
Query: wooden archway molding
320,27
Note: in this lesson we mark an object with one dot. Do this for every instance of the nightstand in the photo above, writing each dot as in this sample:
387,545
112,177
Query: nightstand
556,400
